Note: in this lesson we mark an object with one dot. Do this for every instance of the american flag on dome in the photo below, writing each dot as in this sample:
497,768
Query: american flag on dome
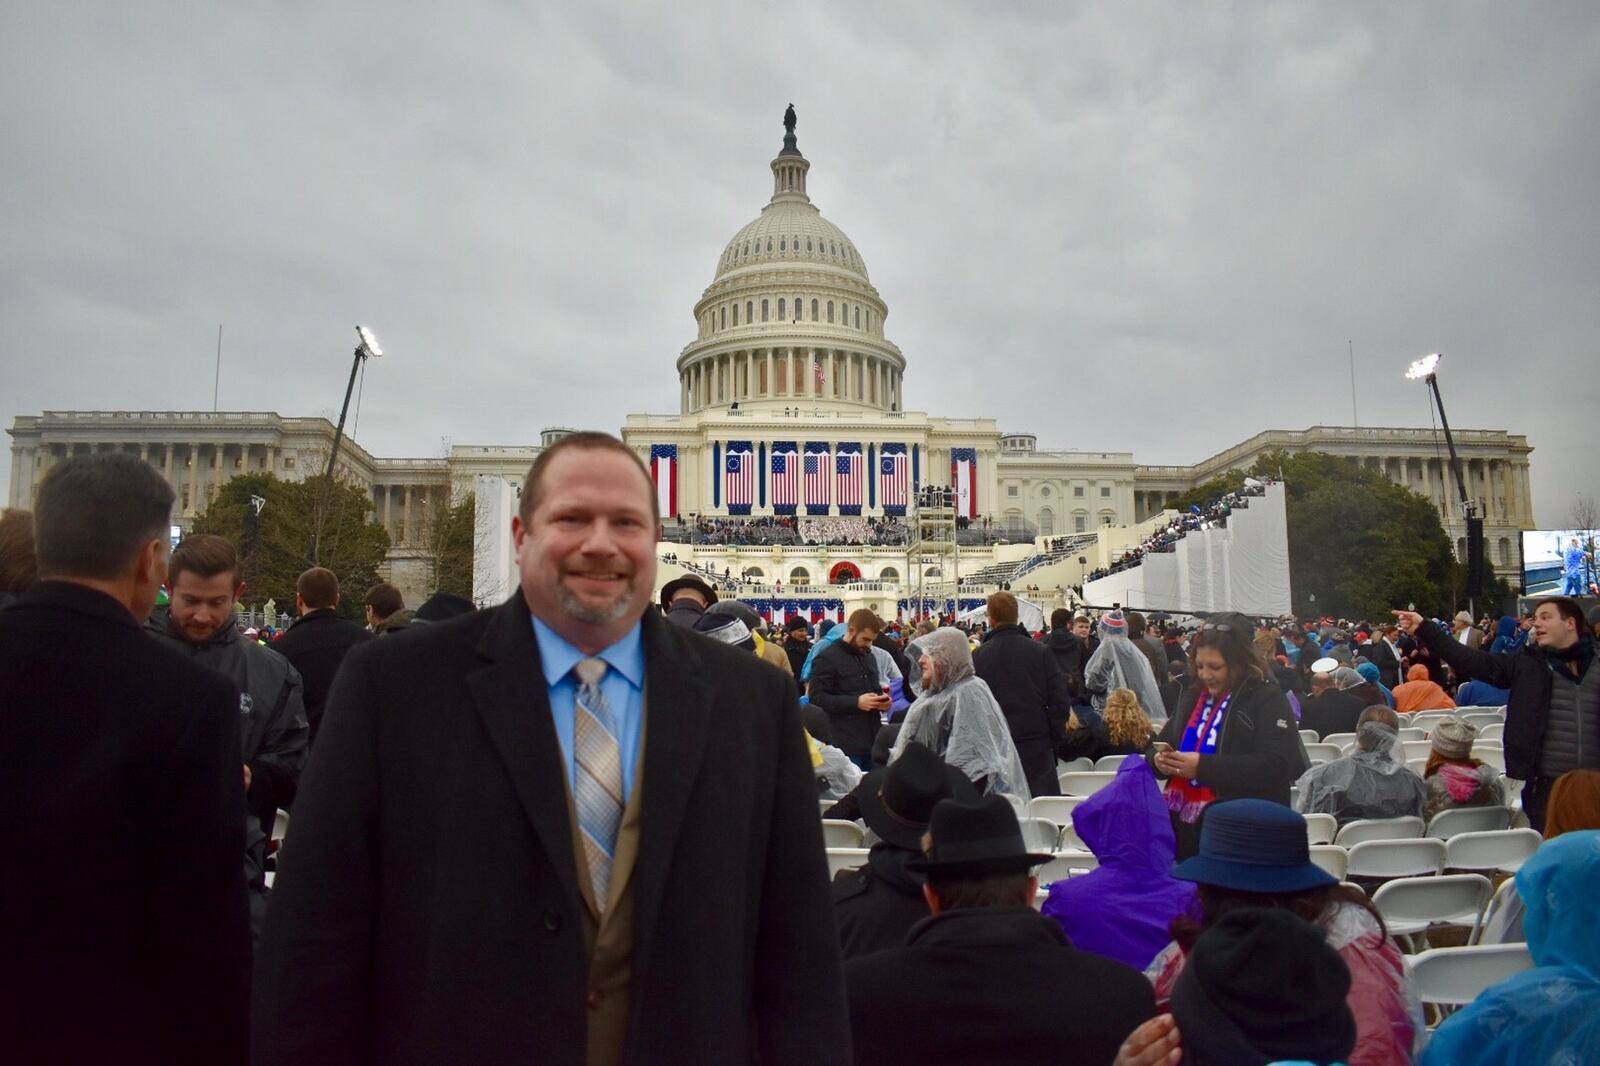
816,473
785,478
741,475
894,472
847,470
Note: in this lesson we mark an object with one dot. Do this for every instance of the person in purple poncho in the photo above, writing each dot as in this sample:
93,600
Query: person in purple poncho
1124,909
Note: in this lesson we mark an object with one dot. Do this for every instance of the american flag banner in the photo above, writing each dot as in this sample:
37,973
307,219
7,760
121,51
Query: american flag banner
817,471
740,467
664,472
894,474
785,477
848,467
964,480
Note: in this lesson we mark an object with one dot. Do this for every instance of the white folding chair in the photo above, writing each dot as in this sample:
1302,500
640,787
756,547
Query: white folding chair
1426,720
1500,849
1331,858
1501,896
1340,740
1408,827
1413,733
825,806
1417,749
1323,751
837,833
1040,834
1056,808
280,826
1109,762
1457,820
1378,860
1454,977
1491,753
1018,804
1484,717
1417,766
1493,731
1065,865
1085,782
1310,736
1409,905
845,859
1082,762
1321,828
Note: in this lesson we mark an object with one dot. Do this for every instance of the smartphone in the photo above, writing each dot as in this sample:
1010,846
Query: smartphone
1162,747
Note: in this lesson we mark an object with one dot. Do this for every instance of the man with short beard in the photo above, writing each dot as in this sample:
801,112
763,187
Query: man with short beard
503,849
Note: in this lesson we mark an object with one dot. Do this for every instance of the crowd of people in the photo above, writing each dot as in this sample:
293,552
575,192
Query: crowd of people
503,825
1165,539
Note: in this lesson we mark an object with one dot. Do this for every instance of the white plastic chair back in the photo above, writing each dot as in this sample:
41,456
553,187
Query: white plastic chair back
1378,859
1496,731
1447,824
1417,749
1362,829
1040,834
1069,840
1501,849
1109,762
1324,751
1426,720
837,833
1331,858
1056,808
845,859
1417,766
1456,976
1410,904
1018,804
1483,716
1310,736
1321,828
1065,865
1340,740
1490,753
1496,902
1085,782
1082,762
1411,732
826,805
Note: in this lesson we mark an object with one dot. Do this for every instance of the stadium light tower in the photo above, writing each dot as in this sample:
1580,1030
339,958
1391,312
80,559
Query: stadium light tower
366,348
1426,370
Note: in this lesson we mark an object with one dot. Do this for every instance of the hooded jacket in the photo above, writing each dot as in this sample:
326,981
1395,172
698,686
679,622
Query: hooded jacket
273,731
1124,909
1550,1013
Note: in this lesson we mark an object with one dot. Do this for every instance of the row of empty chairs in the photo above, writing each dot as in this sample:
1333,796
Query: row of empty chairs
1492,851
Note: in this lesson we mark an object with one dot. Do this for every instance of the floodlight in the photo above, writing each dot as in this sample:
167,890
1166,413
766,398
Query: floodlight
1424,367
369,343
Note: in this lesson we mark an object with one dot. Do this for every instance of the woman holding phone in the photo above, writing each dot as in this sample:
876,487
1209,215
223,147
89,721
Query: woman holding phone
1234,736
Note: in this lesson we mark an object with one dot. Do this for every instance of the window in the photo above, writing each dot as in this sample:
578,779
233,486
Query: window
769,245
808,244
763,310
781,305
724,316
783,244
746,248
888,573
1105,491
799,309
1011,490
1077,490
736,314
749,312
1079,523
830,310
1505,551
1047,522
799,576
814,316
288,462
858,316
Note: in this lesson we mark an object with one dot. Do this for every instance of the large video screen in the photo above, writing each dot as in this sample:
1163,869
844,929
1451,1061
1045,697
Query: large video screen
1559,562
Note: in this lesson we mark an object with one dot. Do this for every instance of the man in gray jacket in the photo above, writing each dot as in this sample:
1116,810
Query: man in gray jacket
204,580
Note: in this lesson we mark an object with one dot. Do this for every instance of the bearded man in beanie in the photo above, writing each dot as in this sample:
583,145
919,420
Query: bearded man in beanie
985,977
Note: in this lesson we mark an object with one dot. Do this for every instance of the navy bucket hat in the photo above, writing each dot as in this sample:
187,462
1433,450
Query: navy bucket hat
1253,845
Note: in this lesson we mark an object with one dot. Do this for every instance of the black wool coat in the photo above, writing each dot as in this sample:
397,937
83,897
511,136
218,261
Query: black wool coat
124,932
992,986
1033,694
426,908
316,645
876,905
839,677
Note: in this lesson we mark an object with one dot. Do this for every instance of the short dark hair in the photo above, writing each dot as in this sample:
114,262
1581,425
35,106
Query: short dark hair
1060,618
1569,608
1002,608
95,513
864,619
533,487
990,890
1135,625
385,599
204,555
18,568
318,587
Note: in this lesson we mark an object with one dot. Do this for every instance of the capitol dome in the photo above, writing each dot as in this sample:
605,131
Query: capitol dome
791,313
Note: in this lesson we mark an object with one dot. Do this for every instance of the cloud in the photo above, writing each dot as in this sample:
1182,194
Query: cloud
1150,227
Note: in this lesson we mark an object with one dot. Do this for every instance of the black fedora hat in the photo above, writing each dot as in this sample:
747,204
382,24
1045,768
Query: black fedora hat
897,801
976,839
687,581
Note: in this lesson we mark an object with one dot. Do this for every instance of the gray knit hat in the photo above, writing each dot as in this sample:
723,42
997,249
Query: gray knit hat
1452,737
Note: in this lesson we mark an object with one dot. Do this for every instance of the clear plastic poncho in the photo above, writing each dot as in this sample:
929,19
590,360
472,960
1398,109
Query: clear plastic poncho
1371,782
959,718
1115,664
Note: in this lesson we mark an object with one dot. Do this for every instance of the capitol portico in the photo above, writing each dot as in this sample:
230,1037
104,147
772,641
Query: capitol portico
791,402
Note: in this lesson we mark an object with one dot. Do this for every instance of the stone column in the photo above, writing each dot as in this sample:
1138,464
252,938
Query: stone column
410,537
166,465
387,511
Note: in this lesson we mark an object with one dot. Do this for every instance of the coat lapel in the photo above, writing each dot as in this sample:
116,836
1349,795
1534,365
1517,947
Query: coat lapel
679,700
511,698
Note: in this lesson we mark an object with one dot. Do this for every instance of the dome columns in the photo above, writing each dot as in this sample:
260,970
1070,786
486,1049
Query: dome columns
793,373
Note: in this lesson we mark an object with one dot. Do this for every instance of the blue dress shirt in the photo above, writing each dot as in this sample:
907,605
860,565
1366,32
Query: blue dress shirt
623,686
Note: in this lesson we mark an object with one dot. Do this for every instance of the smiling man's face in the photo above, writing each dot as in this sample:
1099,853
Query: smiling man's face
587,554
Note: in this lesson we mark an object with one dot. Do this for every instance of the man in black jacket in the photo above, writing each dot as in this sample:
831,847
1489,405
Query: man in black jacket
984,978
318,641
1553,714
797,646
845,683
1071,641
877,904
1030,688
685,599
123,934
1330,709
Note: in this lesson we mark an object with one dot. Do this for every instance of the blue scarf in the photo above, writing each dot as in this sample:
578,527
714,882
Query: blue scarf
1189,798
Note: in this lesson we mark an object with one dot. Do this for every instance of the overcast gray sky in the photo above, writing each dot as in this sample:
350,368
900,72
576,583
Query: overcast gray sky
1150,227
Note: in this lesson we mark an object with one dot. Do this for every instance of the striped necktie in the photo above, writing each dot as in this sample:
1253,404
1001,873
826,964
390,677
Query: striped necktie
598,785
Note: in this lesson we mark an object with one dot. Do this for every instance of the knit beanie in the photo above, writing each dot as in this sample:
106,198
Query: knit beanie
1113,624
1452,737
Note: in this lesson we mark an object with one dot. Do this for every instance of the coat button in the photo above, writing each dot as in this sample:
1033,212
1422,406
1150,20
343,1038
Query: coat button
552,921
596,997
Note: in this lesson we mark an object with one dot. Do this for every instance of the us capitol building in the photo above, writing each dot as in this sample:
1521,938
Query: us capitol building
790,401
